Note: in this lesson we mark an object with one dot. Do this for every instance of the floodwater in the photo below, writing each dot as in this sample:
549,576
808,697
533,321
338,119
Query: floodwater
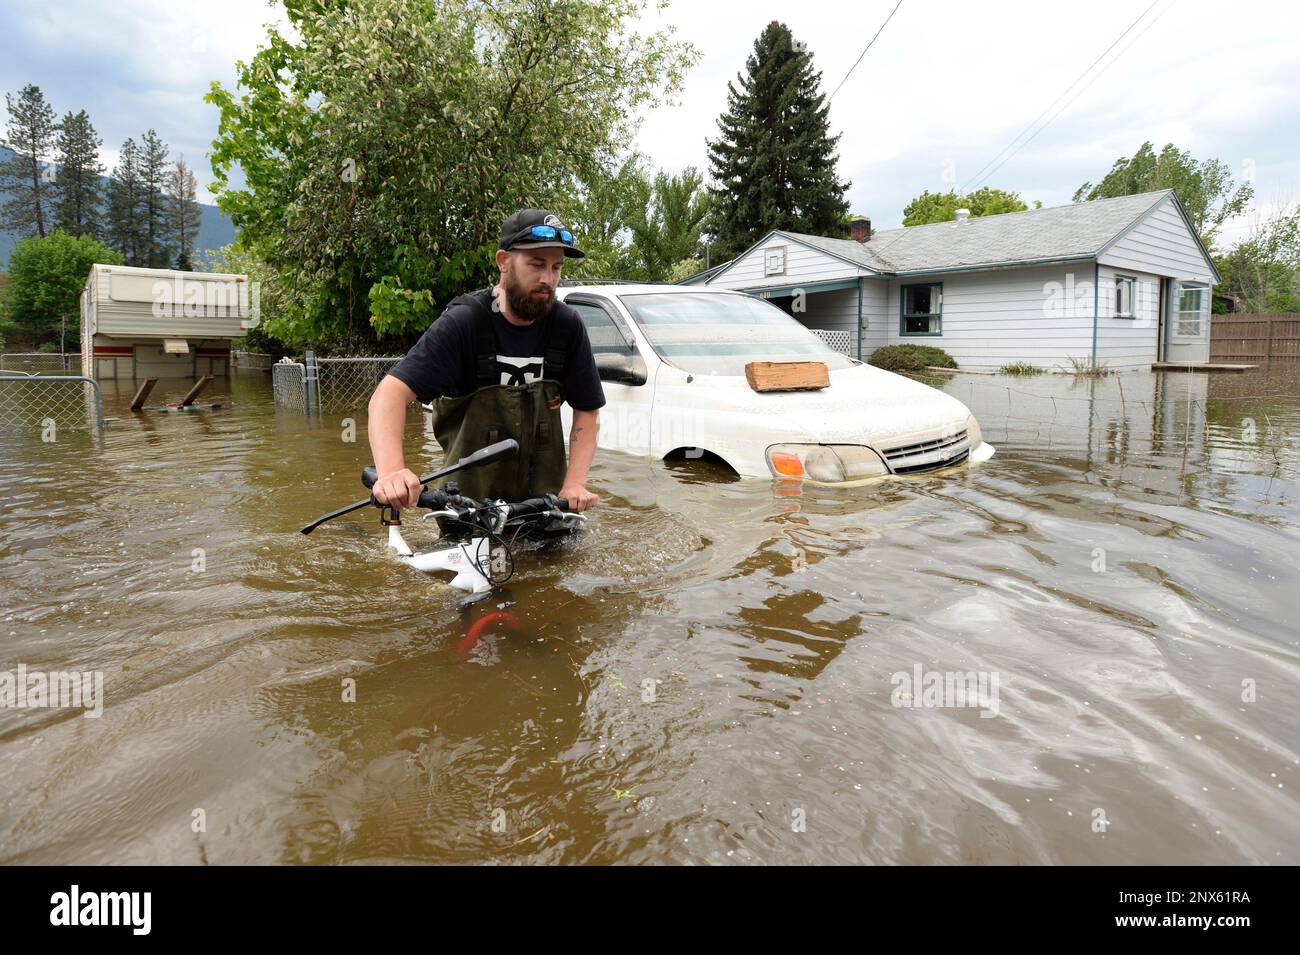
717,672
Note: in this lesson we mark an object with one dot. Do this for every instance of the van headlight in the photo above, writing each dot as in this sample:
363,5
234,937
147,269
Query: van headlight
824,463
974,436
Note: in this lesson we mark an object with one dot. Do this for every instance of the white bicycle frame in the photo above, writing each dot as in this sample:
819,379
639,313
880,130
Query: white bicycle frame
462,559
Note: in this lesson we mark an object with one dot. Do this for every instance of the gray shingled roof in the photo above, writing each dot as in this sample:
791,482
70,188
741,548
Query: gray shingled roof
1078,230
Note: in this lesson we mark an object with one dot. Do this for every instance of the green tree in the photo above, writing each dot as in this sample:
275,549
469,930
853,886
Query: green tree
598,210
267,294
183,213
78,196
383,142
27,176
46,276
1206,189
774,166
1264,268
153,167
943,206
125,231
667,223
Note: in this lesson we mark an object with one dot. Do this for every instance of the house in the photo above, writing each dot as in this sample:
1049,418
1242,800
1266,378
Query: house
1119,283
161,323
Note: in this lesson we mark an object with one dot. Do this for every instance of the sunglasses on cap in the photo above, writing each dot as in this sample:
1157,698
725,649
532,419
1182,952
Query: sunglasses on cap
543,232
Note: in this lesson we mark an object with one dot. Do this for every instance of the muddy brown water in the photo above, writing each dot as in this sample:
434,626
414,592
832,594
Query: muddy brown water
716,672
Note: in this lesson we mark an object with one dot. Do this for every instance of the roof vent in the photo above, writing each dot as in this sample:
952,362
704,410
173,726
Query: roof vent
962,215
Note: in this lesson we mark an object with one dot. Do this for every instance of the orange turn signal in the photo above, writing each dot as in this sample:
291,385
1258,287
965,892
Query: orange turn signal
787,464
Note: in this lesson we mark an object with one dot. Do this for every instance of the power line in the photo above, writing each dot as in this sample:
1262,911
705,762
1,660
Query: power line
1067,103
976,178
868,47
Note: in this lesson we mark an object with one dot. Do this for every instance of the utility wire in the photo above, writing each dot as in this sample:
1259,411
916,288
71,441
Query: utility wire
975,179
868,47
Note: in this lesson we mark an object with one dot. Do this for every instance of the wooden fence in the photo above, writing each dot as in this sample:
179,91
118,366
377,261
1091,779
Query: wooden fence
1268,337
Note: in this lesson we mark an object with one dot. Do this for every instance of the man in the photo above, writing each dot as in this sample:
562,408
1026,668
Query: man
497,364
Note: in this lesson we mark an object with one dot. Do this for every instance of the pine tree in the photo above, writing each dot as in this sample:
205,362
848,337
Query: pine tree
26,176
125,198
183,213
774,165
78,194
153,204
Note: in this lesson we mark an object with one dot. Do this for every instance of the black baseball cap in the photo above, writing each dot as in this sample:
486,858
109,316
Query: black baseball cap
514,232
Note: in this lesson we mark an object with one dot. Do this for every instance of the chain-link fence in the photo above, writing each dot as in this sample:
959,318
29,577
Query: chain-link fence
39,402
39,363
328,384
289,385
346,384
250,360
841,341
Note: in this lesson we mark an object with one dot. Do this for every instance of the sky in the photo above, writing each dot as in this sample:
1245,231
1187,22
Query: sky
946,97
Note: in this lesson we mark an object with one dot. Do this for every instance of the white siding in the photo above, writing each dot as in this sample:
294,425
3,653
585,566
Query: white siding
128,312
1161,244
802,264
875,315
1042,316
1127,342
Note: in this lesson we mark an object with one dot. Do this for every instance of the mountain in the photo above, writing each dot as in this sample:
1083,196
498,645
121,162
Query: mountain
215,230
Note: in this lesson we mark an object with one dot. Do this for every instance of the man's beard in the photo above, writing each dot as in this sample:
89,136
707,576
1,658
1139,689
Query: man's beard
524,303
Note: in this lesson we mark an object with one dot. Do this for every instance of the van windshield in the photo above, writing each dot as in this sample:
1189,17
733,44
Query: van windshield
717,333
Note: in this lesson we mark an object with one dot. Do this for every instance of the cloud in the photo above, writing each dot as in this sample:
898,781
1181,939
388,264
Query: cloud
946,87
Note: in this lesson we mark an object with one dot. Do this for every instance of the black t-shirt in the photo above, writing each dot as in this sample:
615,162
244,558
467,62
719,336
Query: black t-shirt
442,362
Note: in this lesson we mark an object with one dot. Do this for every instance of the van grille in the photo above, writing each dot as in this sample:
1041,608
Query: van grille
928,455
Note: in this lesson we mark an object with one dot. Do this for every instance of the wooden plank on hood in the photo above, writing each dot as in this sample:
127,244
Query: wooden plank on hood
787,375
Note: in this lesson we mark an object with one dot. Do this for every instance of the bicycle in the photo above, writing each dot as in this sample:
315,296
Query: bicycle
478,549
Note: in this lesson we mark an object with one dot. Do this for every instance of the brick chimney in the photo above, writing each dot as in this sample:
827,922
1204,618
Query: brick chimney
860,229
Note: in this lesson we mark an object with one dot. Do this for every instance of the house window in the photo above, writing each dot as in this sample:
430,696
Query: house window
1124,286
921,307
1192,300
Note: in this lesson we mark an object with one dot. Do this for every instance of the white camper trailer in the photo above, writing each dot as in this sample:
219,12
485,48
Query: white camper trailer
161,323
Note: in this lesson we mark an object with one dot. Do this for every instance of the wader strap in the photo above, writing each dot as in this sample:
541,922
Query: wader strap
485,346
556,340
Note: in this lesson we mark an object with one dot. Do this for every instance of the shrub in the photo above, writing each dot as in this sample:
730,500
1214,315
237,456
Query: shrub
910,358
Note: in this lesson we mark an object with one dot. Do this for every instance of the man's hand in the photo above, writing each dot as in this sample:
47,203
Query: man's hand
400,489
579,498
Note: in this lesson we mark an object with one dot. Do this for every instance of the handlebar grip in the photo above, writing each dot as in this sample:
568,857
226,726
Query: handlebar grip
435,499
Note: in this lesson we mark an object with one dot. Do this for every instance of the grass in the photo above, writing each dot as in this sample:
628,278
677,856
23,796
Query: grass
910,358
1022,368
1086,369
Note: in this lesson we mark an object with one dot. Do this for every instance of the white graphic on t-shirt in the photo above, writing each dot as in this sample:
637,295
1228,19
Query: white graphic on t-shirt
519,371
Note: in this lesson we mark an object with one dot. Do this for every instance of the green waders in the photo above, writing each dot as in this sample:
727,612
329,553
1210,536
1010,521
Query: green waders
529,413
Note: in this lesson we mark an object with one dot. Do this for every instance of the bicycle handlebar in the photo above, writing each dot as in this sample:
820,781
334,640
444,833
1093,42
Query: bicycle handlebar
437,499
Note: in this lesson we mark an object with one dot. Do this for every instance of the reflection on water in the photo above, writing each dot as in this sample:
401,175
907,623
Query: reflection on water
718,670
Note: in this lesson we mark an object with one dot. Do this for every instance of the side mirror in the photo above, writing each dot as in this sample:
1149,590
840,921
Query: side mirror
624,369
